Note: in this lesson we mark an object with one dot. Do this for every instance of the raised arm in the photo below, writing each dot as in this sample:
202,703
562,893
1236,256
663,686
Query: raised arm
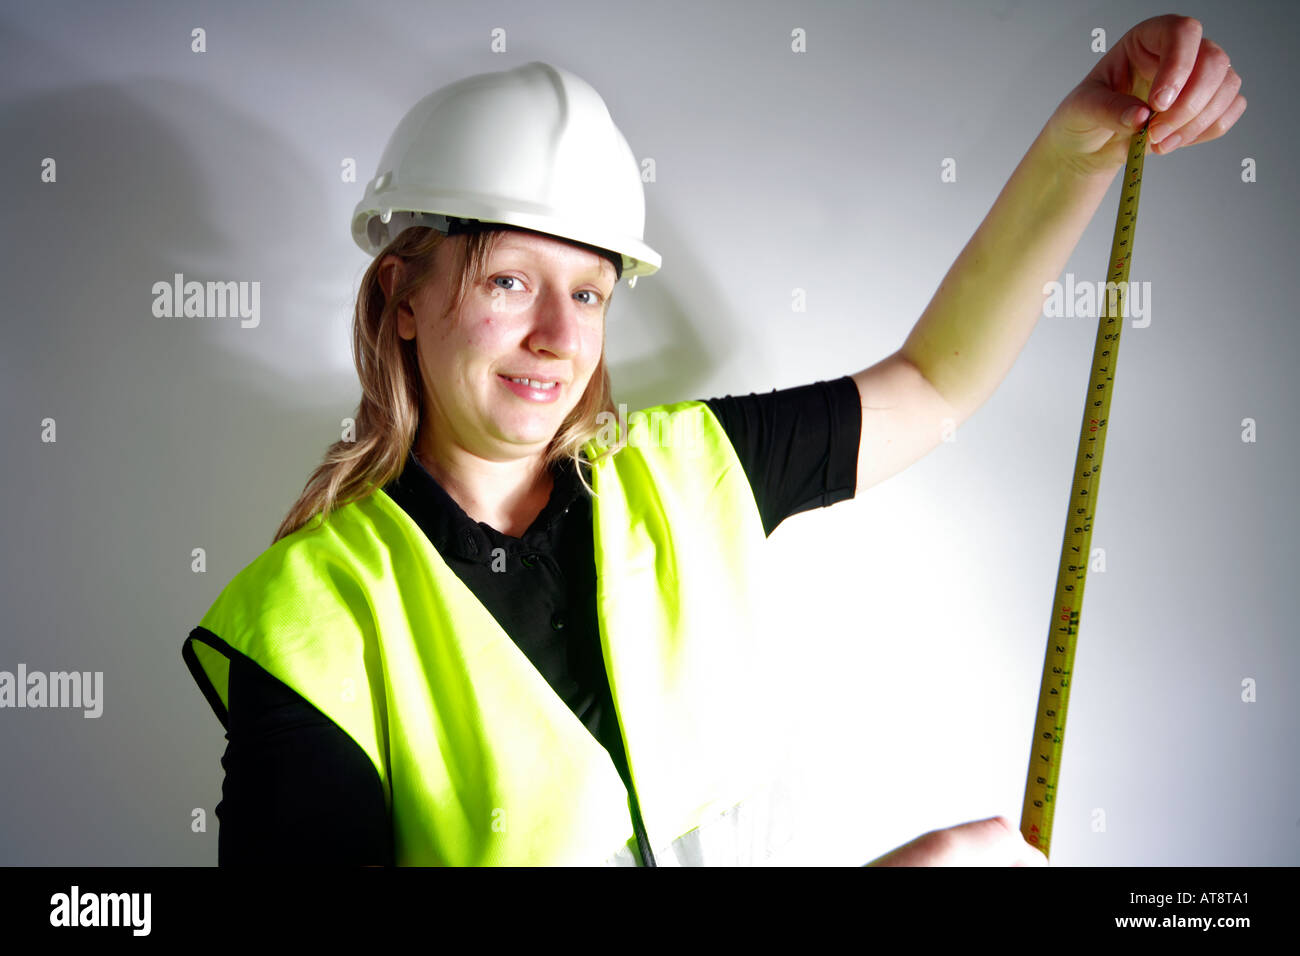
970,334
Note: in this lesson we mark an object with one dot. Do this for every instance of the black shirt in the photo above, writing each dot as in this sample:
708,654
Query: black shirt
298,789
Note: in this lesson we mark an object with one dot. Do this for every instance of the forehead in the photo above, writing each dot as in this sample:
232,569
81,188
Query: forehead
512,241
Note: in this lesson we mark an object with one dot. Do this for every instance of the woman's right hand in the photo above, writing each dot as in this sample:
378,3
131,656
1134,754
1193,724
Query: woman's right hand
991,842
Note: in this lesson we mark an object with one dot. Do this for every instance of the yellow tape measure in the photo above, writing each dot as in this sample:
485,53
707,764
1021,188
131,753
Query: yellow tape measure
1054,692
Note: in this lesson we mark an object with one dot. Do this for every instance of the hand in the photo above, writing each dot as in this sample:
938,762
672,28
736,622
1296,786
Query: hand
1092,127
991,842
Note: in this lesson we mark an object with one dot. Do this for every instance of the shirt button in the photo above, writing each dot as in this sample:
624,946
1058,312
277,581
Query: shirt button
557,621
529,560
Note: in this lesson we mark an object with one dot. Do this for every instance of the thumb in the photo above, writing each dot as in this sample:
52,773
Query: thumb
1029,855
1119,112
1032,856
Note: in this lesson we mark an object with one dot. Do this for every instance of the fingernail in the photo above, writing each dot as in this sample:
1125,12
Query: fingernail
1135,116
1170,143
1164,97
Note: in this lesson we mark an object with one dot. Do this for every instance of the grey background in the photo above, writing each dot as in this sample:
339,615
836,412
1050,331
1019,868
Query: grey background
919,610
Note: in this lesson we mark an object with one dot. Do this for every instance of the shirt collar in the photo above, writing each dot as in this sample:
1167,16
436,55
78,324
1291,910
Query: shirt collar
453,532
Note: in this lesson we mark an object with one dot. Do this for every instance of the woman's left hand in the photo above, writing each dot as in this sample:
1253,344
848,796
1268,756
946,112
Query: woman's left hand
1092,127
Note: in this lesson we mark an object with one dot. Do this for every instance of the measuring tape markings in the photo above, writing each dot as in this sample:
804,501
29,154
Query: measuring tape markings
1054,690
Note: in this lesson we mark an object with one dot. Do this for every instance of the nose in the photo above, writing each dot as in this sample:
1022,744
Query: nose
557,324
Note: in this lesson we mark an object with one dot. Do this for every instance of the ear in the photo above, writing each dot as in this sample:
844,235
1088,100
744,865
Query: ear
389,275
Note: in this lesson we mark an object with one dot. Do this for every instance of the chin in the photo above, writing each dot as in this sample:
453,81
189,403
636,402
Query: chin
529,433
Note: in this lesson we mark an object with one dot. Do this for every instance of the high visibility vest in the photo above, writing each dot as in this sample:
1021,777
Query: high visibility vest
481,762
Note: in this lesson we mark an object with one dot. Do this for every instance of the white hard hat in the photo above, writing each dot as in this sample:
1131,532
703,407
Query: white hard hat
532,147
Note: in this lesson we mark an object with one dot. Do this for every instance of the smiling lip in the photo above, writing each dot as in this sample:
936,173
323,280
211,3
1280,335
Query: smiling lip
535,378
530,392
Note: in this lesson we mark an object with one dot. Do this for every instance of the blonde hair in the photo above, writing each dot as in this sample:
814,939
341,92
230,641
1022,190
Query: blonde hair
392,390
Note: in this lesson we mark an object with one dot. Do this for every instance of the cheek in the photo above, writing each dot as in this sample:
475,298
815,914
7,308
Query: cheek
593,341
482,334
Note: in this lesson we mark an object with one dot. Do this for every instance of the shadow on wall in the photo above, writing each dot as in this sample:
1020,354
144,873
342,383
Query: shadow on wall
683,348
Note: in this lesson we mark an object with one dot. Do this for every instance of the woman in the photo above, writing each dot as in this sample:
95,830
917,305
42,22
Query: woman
503,626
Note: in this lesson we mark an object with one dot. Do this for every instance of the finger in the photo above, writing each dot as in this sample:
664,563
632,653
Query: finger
1190,132
1166,47
1224,122
1207,77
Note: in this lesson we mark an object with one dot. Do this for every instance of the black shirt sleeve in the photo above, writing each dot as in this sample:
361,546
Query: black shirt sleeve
799,446
298,790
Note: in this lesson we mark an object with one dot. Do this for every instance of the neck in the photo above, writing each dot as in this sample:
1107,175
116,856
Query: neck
506,495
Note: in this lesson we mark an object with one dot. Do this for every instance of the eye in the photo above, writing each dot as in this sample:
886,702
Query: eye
506,279
595,296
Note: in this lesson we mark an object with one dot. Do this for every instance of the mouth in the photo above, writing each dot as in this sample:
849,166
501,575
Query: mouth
543,384
532,389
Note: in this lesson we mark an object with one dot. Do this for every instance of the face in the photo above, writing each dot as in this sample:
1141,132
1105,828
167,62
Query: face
538,314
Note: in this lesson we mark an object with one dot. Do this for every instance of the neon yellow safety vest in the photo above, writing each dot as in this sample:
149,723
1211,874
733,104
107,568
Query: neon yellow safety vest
482,763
